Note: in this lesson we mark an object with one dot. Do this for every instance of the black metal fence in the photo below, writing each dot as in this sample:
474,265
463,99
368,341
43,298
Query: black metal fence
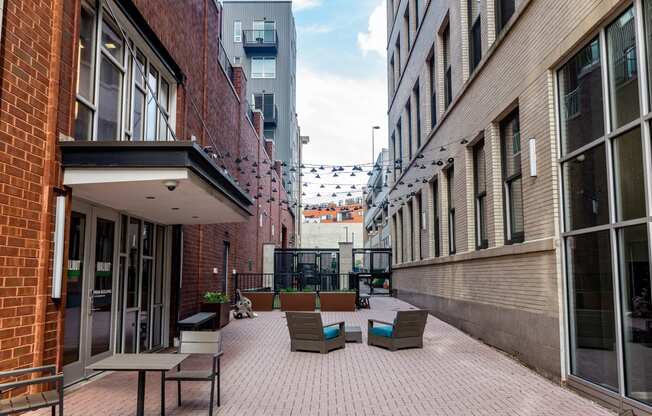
276,282
225,63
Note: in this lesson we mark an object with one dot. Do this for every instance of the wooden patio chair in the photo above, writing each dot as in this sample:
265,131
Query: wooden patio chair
48,398
202,343
405,332
307,333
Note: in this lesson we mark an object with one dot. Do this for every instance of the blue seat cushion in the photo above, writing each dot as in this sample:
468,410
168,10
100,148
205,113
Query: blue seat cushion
331,332
382,330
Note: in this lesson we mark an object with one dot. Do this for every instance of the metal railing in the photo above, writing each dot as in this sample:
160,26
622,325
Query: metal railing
225,63
260,37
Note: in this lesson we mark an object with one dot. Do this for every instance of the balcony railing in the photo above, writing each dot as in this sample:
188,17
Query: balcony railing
270,113
225,63
264,40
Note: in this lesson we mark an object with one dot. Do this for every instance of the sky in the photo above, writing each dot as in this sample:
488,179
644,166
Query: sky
341,79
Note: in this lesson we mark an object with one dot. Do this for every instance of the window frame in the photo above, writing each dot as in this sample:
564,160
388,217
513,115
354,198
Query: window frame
501,23
480,198
129,80
436,198
511,237
450,188
446,66
263,74
237,31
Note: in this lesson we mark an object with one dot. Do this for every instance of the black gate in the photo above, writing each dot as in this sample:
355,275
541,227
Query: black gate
316,269
372,272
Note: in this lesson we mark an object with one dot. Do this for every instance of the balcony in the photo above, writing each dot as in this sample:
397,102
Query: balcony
260,41
270,114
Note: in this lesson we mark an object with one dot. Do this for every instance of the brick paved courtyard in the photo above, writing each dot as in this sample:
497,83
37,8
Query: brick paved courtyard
452,375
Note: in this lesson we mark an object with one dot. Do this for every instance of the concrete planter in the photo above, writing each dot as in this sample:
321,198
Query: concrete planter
260,301
222,313
298,301
337,301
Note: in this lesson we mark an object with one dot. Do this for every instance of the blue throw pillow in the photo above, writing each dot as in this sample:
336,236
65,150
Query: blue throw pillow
331,332
382,330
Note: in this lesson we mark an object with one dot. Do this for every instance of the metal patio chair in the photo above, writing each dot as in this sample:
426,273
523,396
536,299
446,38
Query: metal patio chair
201,343
48,398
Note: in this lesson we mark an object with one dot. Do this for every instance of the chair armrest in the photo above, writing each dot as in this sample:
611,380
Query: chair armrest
334,323
219,354
14,373
39,380
371,321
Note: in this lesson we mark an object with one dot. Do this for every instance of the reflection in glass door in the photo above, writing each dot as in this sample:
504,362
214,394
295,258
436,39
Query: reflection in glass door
102,290
72,341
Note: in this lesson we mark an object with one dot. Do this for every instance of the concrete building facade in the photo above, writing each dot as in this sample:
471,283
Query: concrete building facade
521,185
261,36
133,177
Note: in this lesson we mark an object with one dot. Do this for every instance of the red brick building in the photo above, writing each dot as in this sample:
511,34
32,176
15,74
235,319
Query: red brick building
131,168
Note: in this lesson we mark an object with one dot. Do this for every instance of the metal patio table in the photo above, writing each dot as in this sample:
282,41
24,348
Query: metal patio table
141,363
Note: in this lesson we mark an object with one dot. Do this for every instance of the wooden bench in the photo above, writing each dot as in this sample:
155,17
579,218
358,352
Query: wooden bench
50,398
194,322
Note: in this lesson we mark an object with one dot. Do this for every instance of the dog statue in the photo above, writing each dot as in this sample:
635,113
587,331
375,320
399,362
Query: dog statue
243,307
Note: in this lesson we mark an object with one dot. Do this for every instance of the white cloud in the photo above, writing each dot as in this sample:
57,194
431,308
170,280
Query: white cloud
305,4
375,39
337,113
315,29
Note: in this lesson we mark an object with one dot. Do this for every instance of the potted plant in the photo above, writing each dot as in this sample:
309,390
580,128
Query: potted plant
293,300
261,300
218,303
337,301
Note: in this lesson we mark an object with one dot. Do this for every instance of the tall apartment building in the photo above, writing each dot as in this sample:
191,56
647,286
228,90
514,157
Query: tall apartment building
261,36
521,196
122,199
376,220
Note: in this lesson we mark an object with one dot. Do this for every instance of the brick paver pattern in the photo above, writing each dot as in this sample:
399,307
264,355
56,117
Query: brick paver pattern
452,375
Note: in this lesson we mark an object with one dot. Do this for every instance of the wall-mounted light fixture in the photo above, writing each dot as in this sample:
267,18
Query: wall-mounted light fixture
532,147
59,234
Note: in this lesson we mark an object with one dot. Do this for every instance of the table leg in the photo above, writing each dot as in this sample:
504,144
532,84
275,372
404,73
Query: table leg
140,404
162,393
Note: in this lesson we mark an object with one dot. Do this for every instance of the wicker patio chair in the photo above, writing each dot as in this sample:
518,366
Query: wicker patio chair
307,333
49,398
405,332
204,343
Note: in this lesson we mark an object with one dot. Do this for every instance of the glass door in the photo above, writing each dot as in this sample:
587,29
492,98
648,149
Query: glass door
74,322
100,291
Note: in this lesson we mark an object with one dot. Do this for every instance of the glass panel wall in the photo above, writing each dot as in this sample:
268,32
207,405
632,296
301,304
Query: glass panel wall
604,149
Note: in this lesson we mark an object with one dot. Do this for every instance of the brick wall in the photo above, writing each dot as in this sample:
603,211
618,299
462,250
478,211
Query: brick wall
37,91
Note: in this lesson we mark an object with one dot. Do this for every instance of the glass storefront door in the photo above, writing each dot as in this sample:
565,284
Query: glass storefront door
115,288
88,324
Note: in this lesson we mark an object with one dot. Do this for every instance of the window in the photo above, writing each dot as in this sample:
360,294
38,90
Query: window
268,134
401,237
436,215
623,72
264,31
448,80
399,144
606,221
237,31
450,182
392,79
265,103
421,221
475,34
417,106
397,54
406,27
408,111
432,77
263,67
416,14
411,221
480,185
580,93
394,154
122,93
504,11
510,143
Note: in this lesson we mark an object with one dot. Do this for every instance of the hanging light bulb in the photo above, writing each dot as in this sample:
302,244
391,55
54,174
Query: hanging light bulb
313,170
442,149
322,186
317,177
335,175
338,187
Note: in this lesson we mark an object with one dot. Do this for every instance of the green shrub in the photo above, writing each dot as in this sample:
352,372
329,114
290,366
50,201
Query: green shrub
215,297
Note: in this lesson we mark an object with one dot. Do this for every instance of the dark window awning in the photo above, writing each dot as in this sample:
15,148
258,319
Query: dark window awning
136,177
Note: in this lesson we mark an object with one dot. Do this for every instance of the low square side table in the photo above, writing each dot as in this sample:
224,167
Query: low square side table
353,333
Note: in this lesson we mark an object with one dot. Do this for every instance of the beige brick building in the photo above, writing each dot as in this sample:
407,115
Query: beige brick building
521,196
